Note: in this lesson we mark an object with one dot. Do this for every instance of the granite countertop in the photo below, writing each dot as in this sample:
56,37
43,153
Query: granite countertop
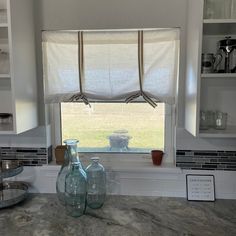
41,215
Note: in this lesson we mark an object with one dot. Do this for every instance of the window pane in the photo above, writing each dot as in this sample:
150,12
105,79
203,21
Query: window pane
114,127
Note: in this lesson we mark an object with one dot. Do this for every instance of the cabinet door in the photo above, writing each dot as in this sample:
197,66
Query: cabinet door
218,88
214,91
194,45
18,78
23,64
6,105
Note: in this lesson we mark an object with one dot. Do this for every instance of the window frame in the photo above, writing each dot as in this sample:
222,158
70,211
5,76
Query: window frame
169,139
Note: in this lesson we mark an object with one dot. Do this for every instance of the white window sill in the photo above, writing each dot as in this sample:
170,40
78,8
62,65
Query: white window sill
131,163
143,167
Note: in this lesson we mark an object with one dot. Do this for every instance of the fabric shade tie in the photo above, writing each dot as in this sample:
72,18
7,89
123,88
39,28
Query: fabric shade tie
145,97
79,96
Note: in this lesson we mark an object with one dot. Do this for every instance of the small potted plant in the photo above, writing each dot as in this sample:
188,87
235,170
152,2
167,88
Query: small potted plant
157,157
59,154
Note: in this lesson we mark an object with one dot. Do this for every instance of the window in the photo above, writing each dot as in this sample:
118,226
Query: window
114,127
157,129
113,68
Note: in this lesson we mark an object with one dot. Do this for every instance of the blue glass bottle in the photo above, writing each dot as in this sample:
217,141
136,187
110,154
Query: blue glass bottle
61,177
96,184
75,183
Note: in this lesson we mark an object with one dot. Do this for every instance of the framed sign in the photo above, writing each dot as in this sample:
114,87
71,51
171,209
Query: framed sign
200,187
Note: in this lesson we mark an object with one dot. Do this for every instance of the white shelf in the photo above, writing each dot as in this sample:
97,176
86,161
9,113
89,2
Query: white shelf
3,25
6,128
219,21
219,75
5,76
219,27
230,132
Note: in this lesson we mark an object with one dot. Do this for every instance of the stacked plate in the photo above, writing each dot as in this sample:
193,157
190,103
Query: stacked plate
11,192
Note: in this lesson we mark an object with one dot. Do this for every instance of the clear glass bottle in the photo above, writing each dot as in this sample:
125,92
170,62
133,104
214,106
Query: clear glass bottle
221,120
75,183
96,184
61,177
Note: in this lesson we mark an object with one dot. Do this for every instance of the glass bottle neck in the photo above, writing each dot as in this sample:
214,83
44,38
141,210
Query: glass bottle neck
72,150
74,157
95,162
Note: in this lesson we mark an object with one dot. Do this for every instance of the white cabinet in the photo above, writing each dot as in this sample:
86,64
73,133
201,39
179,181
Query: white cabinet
208,91
18,90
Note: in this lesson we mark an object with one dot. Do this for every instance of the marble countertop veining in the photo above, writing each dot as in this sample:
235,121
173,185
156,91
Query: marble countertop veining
42,215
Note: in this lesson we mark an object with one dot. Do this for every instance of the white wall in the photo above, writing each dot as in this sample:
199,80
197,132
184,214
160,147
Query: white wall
108,14
165,182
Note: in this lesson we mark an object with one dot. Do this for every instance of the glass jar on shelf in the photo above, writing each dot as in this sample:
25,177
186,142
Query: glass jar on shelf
3,16
220,120
233,9
4,62
217,9
204,121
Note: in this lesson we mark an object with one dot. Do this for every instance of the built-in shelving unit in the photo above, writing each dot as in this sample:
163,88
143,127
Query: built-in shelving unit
230,132
18,90
211,91
5,76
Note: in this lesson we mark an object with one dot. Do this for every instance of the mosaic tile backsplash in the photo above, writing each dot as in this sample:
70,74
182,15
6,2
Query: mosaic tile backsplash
27,156
206,160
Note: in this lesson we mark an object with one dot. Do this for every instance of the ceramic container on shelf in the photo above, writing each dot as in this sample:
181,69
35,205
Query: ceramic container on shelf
96,187
60,154
157,156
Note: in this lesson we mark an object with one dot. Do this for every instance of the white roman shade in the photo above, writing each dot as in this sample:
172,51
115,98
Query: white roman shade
111,65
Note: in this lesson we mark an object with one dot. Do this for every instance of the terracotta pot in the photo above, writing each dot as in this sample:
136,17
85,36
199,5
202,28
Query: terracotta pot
157,157
59,154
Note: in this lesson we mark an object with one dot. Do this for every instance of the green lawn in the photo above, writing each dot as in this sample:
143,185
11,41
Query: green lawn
92,126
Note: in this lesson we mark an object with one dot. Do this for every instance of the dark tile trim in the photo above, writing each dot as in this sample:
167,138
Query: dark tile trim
27,156
206,160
